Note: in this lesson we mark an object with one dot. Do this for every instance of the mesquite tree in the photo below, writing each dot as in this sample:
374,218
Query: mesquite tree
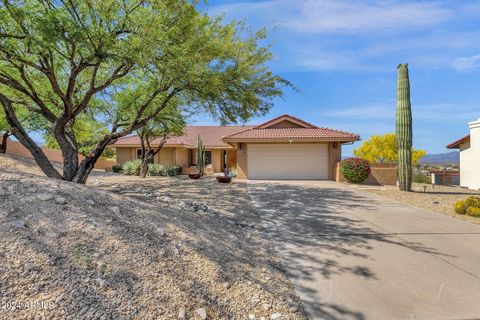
4,132
404,129
124,62
153,135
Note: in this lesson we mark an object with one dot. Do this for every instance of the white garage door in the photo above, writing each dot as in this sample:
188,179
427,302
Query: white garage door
287,161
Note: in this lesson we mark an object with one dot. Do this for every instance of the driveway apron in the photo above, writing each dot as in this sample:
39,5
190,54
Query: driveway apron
355,255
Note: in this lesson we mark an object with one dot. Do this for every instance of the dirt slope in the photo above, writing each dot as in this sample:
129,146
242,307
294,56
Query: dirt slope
78,252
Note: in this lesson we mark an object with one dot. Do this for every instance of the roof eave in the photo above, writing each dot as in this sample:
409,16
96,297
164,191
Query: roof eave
291,140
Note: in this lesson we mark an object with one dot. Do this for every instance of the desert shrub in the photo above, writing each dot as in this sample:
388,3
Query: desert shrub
472,211
155,169
117,168
460,207
232,172
132,168
174,170
421,178
355,170
473,202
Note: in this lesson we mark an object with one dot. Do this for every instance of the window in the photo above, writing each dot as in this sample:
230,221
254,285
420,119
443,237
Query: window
208,157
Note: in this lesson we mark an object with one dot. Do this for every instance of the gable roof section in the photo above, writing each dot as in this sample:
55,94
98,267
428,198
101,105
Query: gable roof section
211,136
306,132
456,144
286,117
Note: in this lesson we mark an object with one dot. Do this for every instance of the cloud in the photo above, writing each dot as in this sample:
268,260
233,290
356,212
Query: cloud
467,63
348,17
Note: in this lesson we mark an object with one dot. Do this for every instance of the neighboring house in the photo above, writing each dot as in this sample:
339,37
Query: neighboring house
469,156
282,148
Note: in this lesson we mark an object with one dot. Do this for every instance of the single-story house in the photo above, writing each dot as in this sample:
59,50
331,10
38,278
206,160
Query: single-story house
469,156
283,148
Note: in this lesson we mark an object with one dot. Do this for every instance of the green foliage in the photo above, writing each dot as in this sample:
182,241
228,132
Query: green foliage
355,170
472,202
460,207
200,156
474,212
125,62
421,178
232,172
384,149
155,169
117,169
132,168
470,206
404,129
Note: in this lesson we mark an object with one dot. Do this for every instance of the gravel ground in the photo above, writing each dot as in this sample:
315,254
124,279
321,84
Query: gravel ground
126,248
439,199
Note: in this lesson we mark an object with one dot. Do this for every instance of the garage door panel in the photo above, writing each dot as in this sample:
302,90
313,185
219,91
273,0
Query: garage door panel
288,161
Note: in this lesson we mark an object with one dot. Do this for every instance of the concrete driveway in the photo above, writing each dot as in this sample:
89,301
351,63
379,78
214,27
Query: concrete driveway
355,255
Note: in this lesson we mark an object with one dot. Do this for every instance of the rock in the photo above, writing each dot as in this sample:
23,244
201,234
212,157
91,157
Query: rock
19,224
161,253
202,313
32,190
90,202
275,316
115,210
266,306
160,231
2,192
181,314
44,197
60,200
101,282
251,317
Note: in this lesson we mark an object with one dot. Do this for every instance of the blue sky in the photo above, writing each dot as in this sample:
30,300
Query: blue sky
343,55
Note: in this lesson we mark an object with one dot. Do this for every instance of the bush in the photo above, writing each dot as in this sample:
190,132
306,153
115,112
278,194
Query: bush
355,170
117,168
460,207
232,172
474,212
473,202
155,169
421,178
132,168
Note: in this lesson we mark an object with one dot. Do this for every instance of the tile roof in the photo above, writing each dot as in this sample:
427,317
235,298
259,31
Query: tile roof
456,144
211,136
292,133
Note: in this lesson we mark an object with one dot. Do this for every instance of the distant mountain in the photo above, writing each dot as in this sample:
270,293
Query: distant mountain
448,157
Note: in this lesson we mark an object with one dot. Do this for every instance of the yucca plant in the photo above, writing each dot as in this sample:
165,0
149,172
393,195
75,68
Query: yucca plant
404,129
132,167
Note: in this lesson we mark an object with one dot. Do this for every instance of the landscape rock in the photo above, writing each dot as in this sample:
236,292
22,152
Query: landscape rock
44,197
275,316
90,202
115,210
181,314
202,313
60,200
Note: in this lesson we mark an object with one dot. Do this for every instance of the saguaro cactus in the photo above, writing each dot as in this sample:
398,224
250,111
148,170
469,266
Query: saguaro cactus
404,129
200,156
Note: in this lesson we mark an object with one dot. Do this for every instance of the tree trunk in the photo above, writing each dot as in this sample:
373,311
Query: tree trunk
88,163
3,146
17,130
66,139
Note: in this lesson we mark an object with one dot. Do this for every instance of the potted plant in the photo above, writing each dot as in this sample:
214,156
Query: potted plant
225,178
200,161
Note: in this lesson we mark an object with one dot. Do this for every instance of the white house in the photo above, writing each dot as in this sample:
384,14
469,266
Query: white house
469,156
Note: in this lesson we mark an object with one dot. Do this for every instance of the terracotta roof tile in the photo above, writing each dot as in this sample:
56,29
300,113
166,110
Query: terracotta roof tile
456,144
211,136
291,133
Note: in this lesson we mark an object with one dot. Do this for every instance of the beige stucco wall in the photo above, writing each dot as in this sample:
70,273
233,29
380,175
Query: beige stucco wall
124,155
242,169
181,157
165,156
470,158
334,156
217,160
